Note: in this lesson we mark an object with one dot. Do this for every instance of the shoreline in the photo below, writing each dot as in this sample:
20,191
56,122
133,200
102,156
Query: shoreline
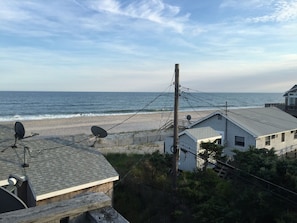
111,123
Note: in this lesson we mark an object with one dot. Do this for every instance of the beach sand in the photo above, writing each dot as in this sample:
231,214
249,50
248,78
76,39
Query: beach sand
111,123
126,133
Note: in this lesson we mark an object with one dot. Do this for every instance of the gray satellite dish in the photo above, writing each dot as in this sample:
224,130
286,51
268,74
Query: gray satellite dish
189,117
98,132
10,202
19,133
19,130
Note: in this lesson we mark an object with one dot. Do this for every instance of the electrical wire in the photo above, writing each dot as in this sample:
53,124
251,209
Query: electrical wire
220,108
137,112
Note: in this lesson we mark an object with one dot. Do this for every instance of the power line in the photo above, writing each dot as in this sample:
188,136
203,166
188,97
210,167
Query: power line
230,111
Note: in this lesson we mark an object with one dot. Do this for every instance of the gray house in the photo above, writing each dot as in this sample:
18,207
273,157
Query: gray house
189,145
52,169
290,105
291,101
267,127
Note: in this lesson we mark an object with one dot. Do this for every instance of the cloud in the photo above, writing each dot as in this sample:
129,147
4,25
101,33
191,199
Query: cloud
246,4
155,11
282,11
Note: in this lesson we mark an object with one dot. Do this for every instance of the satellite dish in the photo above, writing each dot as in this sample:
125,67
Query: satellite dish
19,130
189,117
19,134
10,202
98,132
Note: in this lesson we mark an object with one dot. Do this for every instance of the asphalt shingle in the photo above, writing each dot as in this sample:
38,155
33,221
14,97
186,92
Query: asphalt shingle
55,164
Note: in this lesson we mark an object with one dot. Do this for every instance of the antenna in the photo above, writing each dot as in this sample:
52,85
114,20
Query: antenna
98,132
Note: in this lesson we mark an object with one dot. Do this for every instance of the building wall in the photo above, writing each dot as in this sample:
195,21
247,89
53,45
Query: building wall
229,131
189,150
188,153
281,147
234,131
106,188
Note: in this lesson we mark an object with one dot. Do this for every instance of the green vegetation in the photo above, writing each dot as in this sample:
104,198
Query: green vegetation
260,187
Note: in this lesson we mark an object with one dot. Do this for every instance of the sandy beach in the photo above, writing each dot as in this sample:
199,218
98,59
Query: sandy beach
111,123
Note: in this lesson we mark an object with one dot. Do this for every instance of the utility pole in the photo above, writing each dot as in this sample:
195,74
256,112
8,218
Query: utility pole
175,133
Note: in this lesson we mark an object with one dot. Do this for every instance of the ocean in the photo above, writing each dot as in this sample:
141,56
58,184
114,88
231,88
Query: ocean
45,105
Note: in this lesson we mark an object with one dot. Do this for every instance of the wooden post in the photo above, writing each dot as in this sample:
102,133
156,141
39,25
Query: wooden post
175,133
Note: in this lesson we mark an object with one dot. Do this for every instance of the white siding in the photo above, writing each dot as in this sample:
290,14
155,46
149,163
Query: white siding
187,160
229,130
281,147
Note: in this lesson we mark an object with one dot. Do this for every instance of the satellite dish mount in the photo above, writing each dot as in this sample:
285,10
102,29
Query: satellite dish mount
19,135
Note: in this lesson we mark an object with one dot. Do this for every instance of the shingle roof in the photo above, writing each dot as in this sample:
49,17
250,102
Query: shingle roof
259,121
55,164
201,133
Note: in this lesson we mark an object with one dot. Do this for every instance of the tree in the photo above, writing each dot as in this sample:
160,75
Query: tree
210,150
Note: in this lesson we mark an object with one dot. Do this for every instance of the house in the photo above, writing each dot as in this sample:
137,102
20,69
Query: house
267,127
291,101
189,145
290,105
52,169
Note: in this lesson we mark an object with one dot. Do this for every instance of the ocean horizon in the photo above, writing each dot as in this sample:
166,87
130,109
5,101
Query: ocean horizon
37,105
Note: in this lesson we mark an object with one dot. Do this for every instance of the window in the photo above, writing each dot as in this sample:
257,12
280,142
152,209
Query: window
283,137
267,140
273,137
295,134
239,141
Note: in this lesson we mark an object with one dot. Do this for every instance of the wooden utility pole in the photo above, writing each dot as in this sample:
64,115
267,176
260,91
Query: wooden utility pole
175,133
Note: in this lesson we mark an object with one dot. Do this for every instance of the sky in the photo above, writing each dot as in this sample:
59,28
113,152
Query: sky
125,45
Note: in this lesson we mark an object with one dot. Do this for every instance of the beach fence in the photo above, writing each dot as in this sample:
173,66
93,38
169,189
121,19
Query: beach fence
134,138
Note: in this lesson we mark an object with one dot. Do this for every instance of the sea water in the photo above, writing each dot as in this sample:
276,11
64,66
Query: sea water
43,105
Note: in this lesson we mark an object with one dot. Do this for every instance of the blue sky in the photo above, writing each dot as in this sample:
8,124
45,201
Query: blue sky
123,45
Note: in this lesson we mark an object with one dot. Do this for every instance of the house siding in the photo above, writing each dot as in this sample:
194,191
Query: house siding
229,130
188,160
106,188
189,146
281,147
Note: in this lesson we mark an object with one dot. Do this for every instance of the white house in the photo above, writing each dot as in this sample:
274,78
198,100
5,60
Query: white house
267,127
189,145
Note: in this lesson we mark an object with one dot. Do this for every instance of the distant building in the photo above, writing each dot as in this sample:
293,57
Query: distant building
190,146
52,169
267,127
291,101
290,105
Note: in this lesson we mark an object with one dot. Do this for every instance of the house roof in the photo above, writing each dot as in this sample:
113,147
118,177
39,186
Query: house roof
258,121
200,133
293,89
56,165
